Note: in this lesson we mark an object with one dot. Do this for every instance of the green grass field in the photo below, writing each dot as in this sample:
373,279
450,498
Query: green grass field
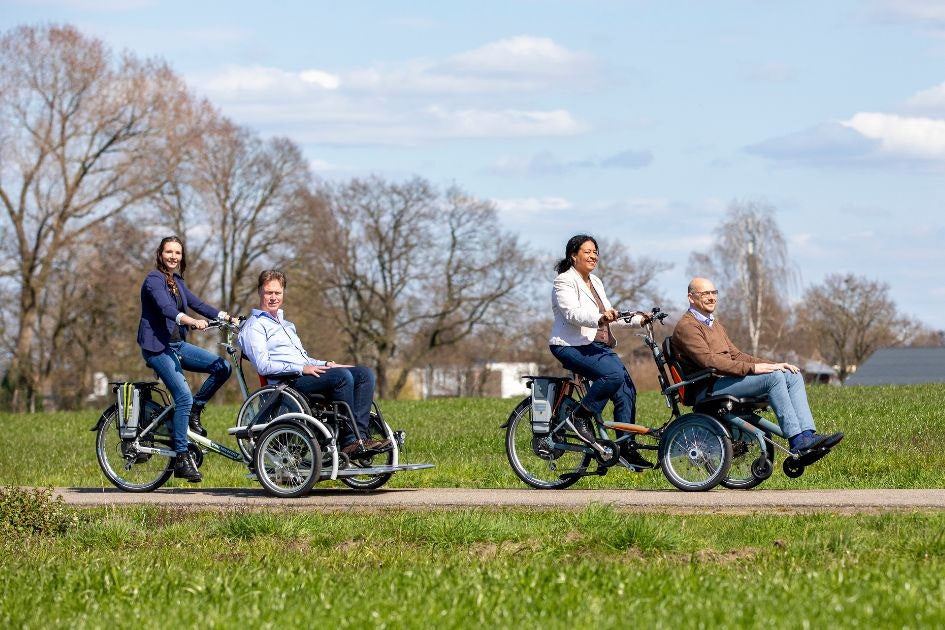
506,568
895,438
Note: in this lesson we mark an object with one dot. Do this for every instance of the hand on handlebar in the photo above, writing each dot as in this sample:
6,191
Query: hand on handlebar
195,324
610,315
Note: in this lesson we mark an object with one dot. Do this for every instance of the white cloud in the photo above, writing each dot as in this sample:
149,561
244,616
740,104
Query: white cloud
899,136
478,123
926,12
391,103
266,83
930,100
532,205
93,5
320,78
523,54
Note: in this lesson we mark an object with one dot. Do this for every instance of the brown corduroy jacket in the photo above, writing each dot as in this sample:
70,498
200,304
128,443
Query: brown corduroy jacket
698,346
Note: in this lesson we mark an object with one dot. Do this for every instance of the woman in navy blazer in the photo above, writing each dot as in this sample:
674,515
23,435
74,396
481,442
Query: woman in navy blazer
162,335
582,341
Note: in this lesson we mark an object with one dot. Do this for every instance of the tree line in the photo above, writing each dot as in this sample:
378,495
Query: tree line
101,154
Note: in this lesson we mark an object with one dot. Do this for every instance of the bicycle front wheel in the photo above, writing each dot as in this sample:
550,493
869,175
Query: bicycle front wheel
539,460
695,453
123,464
288,460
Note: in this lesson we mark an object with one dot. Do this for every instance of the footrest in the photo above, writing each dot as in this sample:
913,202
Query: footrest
599,472
809,457
357,471
239,432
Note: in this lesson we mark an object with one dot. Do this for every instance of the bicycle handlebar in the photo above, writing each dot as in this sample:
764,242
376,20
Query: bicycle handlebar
222,323
654,314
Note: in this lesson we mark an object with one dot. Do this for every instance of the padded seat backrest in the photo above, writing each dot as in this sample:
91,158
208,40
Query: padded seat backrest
263,381
675,369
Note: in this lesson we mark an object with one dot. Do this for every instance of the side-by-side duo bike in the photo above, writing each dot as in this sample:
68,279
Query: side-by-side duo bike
286,440
722,440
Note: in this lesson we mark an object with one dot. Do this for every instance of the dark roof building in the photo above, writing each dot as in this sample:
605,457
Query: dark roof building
901,366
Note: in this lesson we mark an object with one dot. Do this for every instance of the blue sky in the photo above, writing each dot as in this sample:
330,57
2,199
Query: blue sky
639,121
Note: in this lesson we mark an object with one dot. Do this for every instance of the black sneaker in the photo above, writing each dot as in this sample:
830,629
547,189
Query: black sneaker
194,422
184,468
632,456
582,427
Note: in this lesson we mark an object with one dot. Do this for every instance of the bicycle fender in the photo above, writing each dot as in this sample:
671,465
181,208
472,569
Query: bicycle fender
290,422
101,419
700,416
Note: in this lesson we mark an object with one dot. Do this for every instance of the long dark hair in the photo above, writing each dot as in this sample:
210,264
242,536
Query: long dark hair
571,249
159,262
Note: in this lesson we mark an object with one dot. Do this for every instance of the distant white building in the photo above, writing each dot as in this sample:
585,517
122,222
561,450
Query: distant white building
499,379
510,377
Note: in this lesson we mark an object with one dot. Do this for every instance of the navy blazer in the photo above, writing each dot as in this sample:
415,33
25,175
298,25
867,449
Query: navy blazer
159,311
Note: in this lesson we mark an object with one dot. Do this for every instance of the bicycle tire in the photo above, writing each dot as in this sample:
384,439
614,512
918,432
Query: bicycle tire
745,450
130,470
377,429
288,459
695,453
534,459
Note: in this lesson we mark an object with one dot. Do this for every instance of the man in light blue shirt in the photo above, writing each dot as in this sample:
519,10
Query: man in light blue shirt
272,345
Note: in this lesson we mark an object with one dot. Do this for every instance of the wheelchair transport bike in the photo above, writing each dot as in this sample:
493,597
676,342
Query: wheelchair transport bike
722,440
287,443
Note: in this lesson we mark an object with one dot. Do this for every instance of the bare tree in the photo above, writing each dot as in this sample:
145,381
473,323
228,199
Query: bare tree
850,317
84,138
244,192
631,282
749,263
411,269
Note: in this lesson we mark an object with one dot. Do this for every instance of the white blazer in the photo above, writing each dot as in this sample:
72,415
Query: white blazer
575,310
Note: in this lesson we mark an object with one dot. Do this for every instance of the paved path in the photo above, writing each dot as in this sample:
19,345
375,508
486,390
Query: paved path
431,498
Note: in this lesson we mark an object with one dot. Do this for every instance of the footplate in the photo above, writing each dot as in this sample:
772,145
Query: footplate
357,471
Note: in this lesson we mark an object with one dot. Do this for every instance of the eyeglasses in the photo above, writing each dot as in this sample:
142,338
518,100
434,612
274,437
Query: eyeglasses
702,294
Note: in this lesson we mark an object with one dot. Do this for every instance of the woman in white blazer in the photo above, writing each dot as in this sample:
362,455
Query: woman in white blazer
582,341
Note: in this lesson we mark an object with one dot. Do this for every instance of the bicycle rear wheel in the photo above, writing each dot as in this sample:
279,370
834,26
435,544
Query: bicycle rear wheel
124,465
535,459
695,453
745,452
377,430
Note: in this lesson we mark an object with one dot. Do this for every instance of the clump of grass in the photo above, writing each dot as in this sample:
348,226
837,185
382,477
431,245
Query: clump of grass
34,512
604,526
248,525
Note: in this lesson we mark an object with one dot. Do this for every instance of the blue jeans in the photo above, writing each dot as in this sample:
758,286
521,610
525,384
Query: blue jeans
170,365
785,393
611,381
354,386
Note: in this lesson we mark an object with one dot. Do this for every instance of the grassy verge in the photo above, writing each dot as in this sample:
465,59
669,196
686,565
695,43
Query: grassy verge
154,567
895,439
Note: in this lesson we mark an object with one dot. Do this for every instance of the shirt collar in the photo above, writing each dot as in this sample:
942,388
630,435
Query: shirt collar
702,318
261,313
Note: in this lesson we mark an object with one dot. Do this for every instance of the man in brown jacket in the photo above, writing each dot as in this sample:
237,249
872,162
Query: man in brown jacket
701,342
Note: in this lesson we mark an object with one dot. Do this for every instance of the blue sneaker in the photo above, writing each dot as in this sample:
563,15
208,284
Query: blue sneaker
801,442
